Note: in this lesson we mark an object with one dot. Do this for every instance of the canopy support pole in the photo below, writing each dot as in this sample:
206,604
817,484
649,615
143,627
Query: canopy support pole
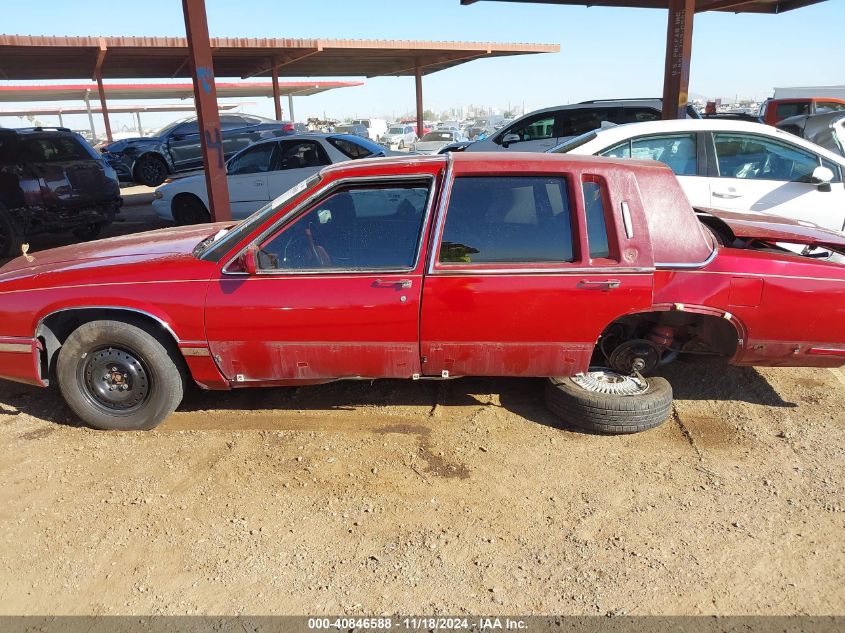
103,105
277,97
205,98
418,86
678,55
290,107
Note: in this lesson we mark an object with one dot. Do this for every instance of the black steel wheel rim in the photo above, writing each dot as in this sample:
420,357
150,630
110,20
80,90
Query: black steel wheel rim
115,380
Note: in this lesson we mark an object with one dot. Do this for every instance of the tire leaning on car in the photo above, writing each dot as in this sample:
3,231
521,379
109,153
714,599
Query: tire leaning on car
605,401
119,376
150,170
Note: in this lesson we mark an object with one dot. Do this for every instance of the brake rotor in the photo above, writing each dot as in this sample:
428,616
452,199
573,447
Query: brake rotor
638,355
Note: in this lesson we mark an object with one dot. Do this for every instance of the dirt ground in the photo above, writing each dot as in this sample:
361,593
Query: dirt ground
431,497
462,496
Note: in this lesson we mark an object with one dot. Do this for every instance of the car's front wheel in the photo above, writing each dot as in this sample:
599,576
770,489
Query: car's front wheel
605,401
119,376
188,209
150,170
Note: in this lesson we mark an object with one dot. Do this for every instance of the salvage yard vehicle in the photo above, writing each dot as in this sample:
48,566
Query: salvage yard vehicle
733,165
149,160
436,140
399,136
260,173
52,181
826,129
772,111
591,271
541,130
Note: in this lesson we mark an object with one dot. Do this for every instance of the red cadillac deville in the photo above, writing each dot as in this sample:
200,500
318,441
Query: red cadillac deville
591,272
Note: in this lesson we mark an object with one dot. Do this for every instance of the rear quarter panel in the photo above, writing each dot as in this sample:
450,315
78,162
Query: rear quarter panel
784,307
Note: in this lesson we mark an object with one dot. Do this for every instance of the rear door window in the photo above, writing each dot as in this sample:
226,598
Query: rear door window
295,154
510,219
349,147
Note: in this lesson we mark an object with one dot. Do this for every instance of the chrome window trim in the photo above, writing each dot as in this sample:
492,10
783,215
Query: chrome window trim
302,207
446,194
161,322
581,270
686,265
627,221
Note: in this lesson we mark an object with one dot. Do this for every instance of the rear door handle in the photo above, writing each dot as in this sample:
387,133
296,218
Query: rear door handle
729,196
393,283
605,284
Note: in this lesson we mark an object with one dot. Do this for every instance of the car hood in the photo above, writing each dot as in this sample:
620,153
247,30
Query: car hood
137,248
122,144
772,228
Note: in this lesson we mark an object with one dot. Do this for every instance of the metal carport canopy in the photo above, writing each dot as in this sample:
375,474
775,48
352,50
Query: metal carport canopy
679,33
59,57
202,58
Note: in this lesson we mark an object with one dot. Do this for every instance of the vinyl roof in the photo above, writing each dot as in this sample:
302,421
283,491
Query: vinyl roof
729,6
28,57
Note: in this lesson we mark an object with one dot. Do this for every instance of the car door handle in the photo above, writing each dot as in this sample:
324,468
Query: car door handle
604,284
258,183
393,283
722,194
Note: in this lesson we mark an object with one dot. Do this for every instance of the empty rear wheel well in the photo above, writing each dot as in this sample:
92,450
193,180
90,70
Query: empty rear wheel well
54,329
667,334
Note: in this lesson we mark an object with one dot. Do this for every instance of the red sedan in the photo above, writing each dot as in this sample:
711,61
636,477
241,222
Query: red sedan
591,271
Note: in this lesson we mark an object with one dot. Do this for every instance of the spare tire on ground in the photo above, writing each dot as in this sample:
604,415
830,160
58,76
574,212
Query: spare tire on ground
604,401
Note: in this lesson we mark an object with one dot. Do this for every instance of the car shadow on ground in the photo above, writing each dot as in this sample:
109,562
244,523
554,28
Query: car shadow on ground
707,380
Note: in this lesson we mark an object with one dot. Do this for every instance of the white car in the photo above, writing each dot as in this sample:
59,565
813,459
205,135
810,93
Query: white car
436,140
399,135
734,165
375,127
260,173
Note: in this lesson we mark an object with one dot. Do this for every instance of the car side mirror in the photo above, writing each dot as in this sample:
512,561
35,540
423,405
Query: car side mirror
249,260
177,137
507,139
822,176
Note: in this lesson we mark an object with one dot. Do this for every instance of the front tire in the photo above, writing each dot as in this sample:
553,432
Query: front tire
605,401
88,231
150,170
188,209
118,376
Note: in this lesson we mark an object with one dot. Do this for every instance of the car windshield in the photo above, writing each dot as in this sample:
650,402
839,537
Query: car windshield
218,243
571,144
396,130
437,136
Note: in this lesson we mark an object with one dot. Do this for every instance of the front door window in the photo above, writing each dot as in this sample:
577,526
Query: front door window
360,228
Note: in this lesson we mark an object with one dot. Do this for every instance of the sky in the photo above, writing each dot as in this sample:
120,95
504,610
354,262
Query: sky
604,52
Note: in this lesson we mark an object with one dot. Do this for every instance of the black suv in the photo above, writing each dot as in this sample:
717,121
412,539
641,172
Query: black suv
52,181
148,160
